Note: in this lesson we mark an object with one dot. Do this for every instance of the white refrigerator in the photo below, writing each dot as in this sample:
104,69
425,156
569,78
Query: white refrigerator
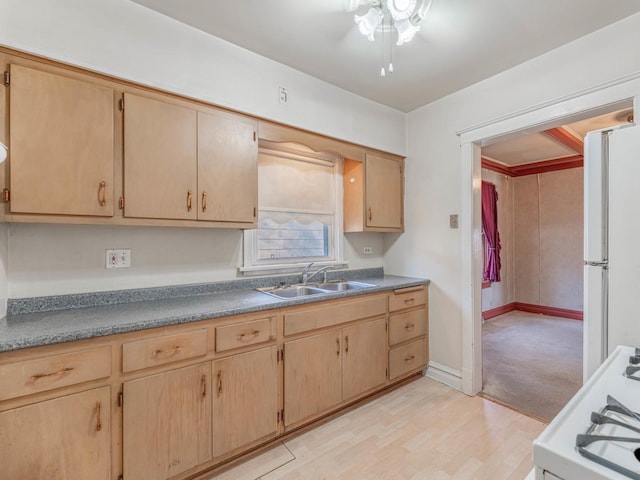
611,242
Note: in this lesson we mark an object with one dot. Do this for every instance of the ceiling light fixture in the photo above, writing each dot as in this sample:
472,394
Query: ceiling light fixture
388,16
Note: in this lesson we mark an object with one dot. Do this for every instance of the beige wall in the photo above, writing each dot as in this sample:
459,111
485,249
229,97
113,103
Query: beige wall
502,292
540,223
548,225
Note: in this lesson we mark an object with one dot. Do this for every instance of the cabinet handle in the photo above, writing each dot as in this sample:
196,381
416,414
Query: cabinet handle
370,214
204,202
409,358
189,200
203,383
62,371
409,326
102,193
409,301
98,420
337,346
219,382
167,353
346,343
248,336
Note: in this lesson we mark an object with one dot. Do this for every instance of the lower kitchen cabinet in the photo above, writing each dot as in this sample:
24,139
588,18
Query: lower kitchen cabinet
364,365
245,401
323,370
312,375
60,439
167,423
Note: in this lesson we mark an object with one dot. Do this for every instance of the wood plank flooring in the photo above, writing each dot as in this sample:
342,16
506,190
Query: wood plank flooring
421,431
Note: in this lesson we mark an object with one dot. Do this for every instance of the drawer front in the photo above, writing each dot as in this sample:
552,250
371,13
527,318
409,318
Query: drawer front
239,335
320,317
55,371
407,325
162,350
407,358
407,298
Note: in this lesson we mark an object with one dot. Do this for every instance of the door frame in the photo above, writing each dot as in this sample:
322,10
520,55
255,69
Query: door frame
623,92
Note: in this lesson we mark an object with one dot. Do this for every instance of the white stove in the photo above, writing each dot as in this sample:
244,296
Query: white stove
572,446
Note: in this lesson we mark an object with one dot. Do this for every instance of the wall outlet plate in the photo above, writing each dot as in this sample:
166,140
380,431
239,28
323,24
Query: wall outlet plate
118,258
367,250
453,221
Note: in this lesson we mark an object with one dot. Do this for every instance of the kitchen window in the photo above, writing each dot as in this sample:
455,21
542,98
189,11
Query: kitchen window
299,214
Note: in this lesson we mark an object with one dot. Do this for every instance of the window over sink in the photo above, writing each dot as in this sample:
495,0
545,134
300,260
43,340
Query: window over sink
299,209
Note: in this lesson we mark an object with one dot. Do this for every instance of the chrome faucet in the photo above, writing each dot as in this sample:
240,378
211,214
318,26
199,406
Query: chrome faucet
306,276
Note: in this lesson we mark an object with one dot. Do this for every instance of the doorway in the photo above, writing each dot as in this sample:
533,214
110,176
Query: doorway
595,102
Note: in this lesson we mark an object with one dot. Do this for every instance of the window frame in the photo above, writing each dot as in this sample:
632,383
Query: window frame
251,265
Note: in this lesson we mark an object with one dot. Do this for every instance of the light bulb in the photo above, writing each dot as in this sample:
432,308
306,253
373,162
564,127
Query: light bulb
390,67
382,72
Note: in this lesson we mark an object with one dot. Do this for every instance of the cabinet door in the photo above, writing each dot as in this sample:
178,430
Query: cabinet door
245,402
384,191
364,364
312,375
160,169
227,167
167,423
60,439
61,144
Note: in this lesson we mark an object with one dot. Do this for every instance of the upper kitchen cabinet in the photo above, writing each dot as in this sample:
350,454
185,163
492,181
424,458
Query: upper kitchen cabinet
227,167
61,143
183,163
373,194
160,163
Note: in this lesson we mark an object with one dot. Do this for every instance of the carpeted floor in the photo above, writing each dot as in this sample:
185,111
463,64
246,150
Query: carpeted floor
531,362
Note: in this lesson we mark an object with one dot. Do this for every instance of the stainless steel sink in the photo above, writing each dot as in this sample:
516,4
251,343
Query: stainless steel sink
293,291
341,286
297,291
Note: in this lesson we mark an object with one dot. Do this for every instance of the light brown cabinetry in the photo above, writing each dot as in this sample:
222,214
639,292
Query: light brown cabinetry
167,422
227,167
61,143
312,375
408,331
323,370
184,164
373,194
245,400
160,169
59,439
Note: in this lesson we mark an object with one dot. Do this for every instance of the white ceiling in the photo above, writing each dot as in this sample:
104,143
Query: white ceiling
460,43
538,147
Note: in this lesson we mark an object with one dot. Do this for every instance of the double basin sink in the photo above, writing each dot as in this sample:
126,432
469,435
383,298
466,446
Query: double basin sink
297,291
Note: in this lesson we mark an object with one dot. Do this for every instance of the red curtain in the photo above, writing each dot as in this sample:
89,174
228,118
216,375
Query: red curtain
490,230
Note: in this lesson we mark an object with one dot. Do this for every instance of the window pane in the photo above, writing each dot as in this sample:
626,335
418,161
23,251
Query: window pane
282,235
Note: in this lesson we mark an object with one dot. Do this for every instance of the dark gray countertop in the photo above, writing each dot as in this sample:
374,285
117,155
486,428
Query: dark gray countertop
64,322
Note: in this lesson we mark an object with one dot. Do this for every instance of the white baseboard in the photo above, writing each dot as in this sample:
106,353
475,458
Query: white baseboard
444,374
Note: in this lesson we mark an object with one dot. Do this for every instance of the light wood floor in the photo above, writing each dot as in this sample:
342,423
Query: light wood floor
421,431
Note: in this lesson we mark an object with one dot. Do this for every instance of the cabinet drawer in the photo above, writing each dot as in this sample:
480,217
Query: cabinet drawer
239,335
55,371
407,358
312,319
407,297
407,325
161,350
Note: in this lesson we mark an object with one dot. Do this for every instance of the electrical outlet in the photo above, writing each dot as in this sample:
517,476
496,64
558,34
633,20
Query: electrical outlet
283,95
118,258
453,221
367,250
